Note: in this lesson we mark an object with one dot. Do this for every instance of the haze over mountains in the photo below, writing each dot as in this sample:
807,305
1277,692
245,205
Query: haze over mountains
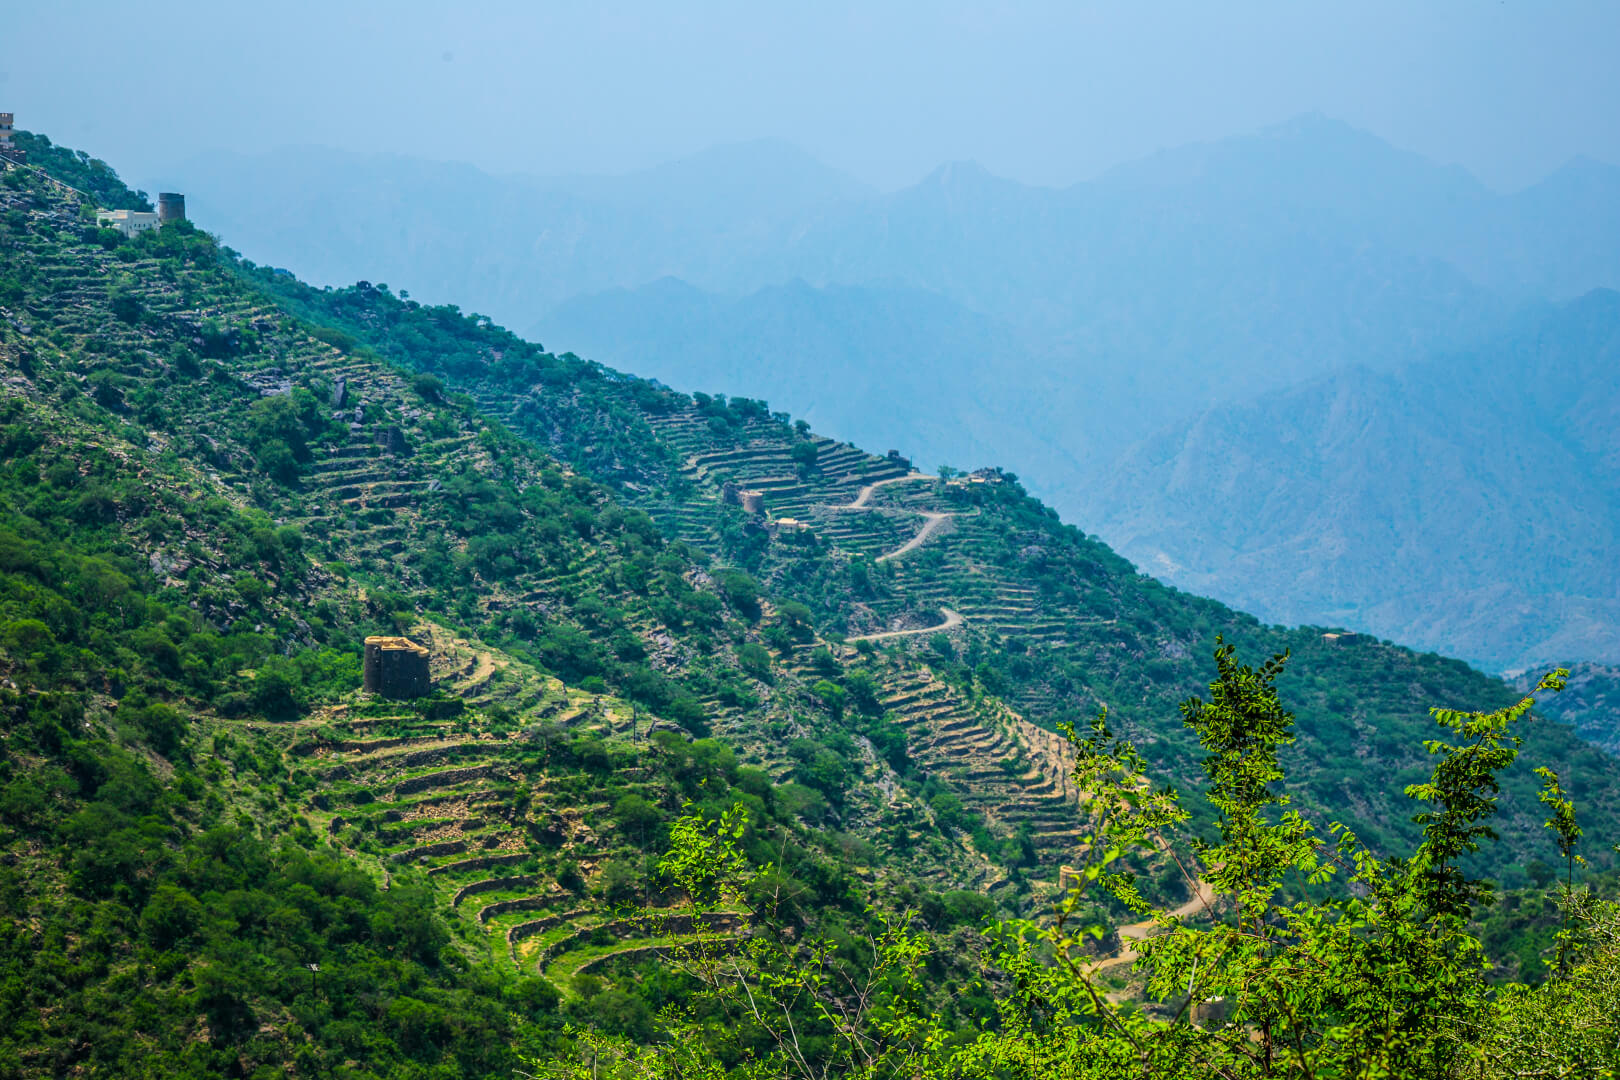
1471,502
971,319
647,630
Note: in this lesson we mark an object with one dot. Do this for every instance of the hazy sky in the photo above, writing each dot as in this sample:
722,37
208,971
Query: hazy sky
1042,92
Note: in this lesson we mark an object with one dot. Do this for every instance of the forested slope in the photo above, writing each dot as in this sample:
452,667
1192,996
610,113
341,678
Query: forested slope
1054,621
217,481
208,505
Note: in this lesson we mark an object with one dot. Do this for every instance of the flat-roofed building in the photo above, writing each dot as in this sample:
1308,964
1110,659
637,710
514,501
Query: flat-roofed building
128,222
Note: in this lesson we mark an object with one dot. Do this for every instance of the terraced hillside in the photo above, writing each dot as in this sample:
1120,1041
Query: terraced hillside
399,500
210,501
223,857
413,501
510,823
1035,611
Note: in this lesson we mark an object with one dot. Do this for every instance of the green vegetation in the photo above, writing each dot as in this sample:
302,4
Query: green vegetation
216,481
1386,982
1055,621
79,170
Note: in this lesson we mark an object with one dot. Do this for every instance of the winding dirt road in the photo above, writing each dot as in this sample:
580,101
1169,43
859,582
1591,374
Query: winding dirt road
933,520
865,495
952,621
1134,932
930,526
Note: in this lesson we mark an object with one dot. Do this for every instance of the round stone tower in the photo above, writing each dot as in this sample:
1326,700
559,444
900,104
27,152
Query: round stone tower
171,207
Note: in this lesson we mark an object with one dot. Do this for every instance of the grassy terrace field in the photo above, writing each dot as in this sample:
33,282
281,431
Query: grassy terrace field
217,481
286,489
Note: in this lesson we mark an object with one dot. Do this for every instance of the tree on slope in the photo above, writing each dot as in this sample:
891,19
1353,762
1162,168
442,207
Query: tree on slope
1382,979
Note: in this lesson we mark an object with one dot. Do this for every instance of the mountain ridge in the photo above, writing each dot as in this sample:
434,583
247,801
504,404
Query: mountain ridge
639,604
1207,298
1039,600
1319,485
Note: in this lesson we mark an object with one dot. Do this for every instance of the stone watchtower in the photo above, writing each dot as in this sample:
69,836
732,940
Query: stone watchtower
396,667
171,207
8,149
752,502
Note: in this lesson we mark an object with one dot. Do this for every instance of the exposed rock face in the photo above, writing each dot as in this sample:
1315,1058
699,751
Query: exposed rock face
270,381
396,667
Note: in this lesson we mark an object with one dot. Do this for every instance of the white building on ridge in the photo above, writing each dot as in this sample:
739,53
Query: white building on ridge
128,222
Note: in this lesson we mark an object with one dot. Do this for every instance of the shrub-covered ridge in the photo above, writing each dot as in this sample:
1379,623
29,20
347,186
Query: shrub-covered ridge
217,481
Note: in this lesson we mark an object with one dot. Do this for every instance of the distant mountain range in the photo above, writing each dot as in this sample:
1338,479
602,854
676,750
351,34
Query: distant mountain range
839,356
1470,504
1590,703
972,319
628,612
511,247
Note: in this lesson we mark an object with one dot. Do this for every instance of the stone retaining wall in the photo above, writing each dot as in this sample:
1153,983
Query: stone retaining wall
449,847
639,924
443,779
423,757
491,885
483,862
642,952
501,907
540,926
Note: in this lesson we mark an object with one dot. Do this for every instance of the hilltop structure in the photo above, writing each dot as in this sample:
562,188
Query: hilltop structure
8,149
396,667
171,208
128,222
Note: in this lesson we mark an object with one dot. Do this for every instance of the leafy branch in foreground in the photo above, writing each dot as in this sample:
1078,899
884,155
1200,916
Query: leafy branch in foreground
1562,823
1569,1026
1384,980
